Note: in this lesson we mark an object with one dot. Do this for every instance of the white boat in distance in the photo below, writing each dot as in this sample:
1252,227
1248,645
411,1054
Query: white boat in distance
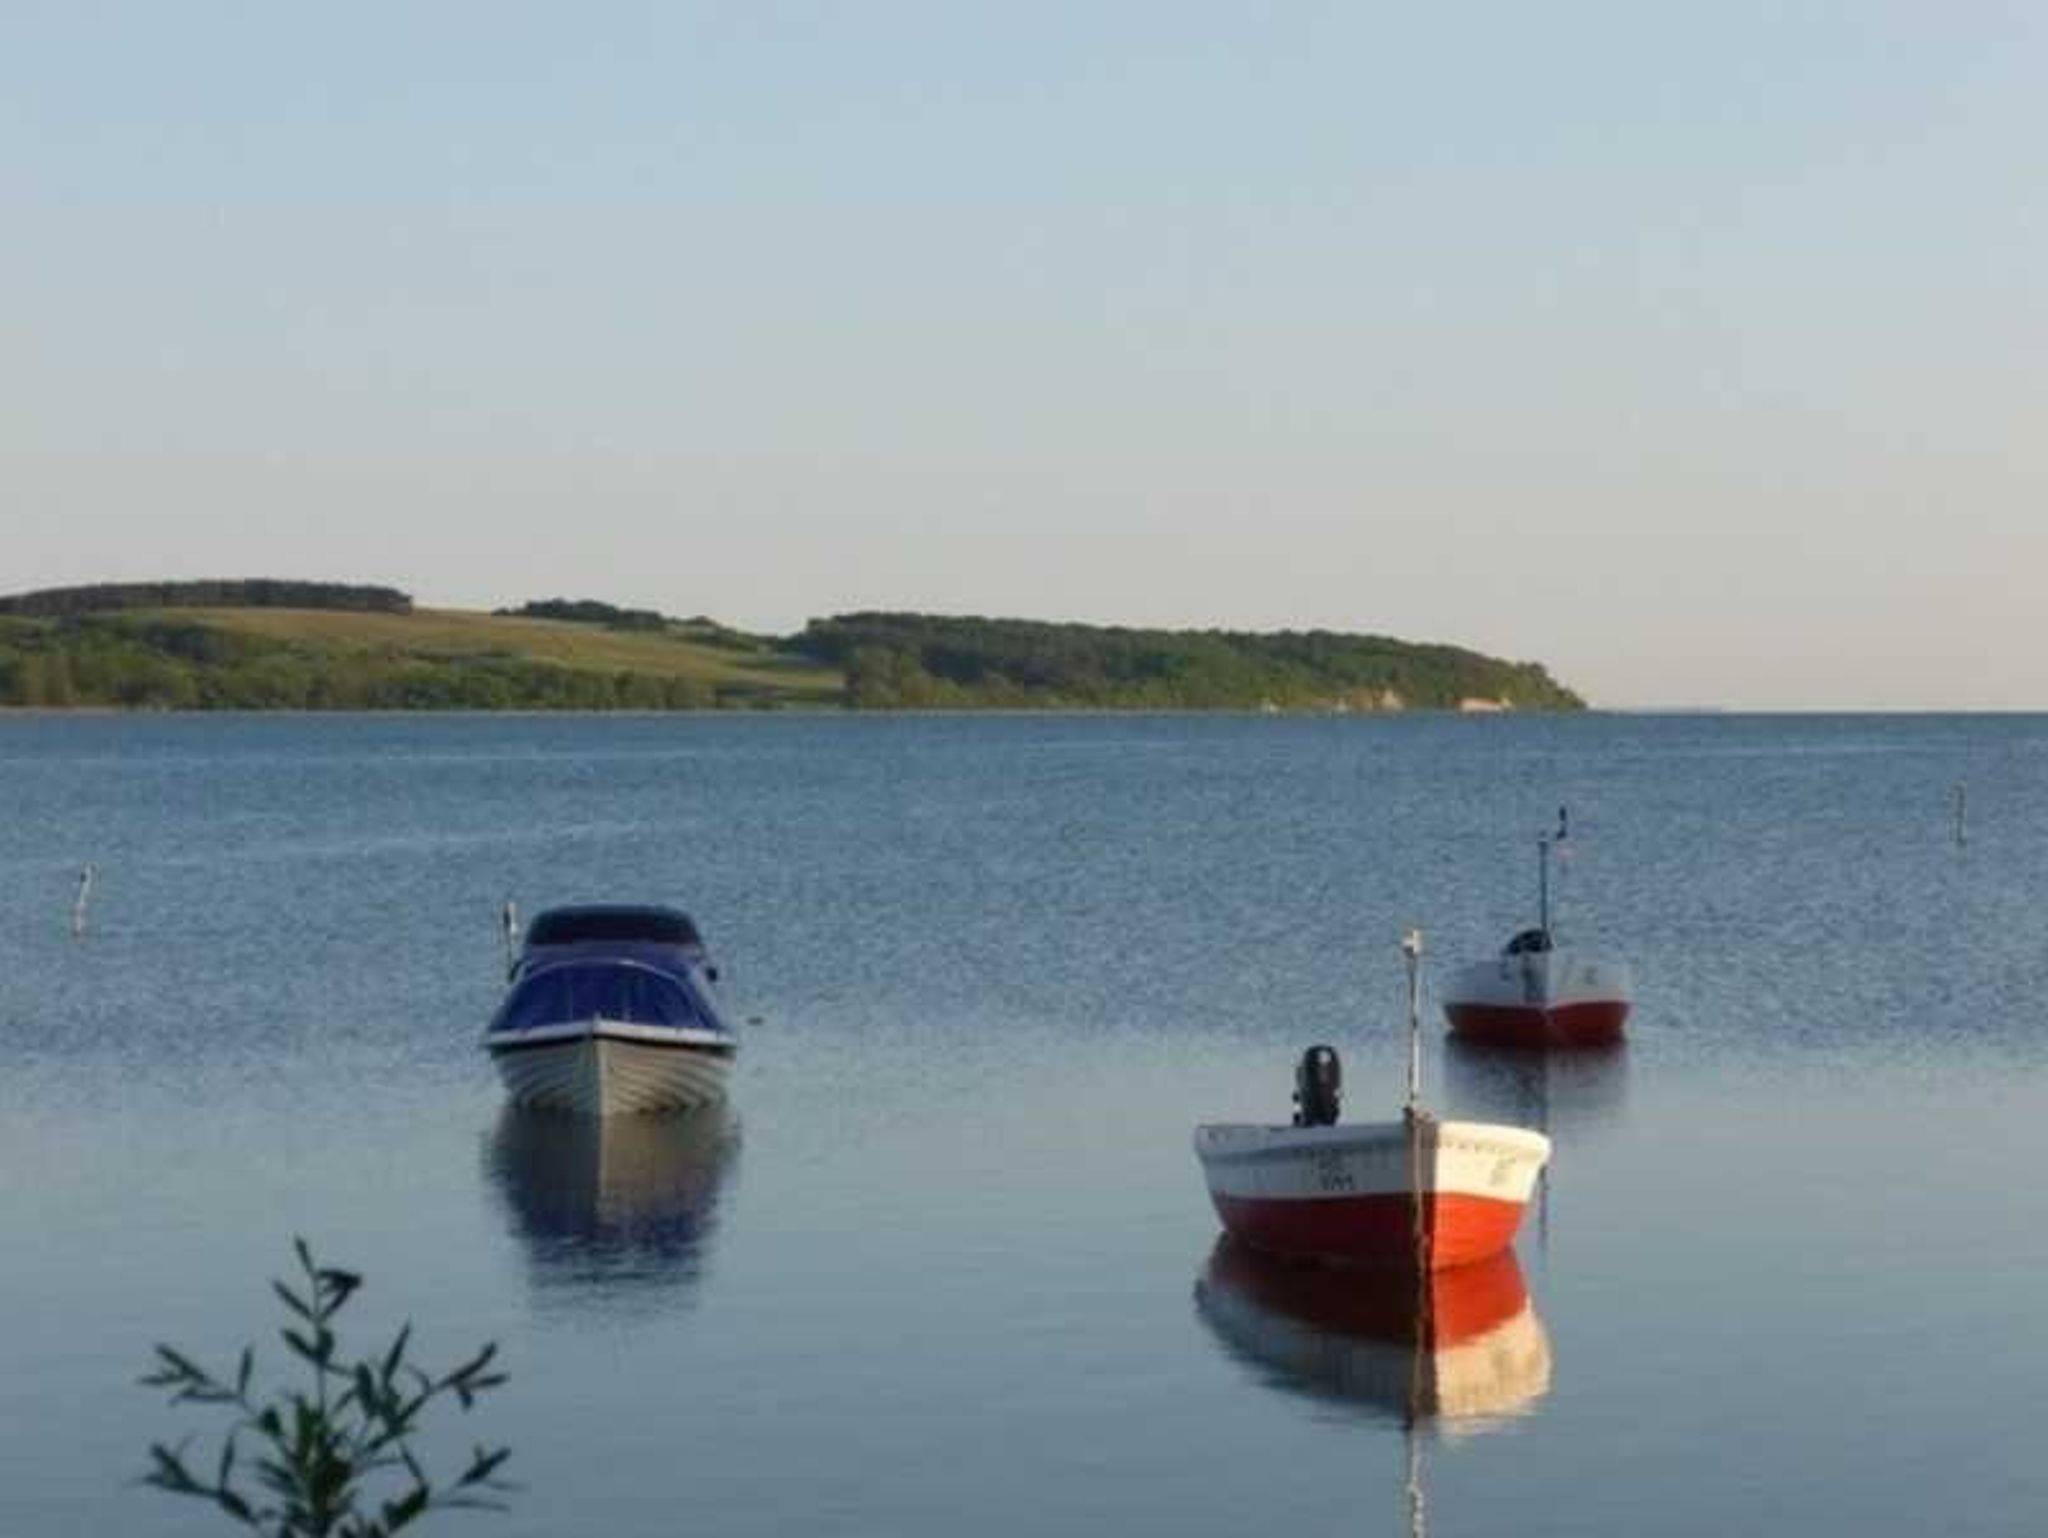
611,1010
1536,993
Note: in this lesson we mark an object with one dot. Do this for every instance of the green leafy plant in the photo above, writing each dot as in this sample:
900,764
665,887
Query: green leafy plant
332,1459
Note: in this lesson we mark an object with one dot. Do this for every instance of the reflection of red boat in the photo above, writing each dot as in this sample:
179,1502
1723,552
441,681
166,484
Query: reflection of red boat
1535,994
1415,1193
1445,1345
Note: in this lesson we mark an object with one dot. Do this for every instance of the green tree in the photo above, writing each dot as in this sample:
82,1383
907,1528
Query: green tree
332,1459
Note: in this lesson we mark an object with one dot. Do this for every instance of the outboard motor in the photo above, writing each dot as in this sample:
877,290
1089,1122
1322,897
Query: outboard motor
1318,1086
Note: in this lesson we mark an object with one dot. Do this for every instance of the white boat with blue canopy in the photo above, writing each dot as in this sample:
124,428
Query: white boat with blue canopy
612,1008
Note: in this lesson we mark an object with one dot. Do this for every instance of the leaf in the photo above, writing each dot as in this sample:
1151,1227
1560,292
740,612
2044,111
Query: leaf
483,1464
278,1477
471,1503
292,1300
170,1472
235,1506
474,1365
174,1367
397,1352
300,1346
338,1285
401,1511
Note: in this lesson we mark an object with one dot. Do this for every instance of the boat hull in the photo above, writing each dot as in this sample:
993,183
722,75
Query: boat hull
600,1070
1540,999
1418,1195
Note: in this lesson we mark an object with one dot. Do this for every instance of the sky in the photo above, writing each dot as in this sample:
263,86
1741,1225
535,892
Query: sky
1699,353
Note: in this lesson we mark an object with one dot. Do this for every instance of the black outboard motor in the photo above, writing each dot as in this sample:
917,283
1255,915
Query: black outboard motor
1318,1086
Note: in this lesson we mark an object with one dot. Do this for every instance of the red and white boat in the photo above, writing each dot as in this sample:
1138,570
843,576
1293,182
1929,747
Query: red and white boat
1416,1193
1536,993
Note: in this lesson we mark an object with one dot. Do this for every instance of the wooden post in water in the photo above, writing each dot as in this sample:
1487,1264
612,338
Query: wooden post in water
509,918
79,903
1962,814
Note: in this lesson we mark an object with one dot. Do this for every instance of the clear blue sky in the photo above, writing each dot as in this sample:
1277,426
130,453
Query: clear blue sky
1699,352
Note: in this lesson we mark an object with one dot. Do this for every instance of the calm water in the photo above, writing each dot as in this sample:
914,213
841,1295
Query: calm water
936,1272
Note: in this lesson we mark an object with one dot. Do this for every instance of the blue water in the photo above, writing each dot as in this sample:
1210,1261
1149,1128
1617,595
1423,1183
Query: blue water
935,1270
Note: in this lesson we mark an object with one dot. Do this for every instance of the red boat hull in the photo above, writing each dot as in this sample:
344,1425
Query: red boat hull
1380,1229
1591,1023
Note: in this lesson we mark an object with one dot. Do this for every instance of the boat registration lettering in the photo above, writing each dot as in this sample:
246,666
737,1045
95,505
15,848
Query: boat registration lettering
1331,1174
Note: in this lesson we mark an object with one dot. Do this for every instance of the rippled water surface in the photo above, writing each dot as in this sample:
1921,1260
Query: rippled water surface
946,1265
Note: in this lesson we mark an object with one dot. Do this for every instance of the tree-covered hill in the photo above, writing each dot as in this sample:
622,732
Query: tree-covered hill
251,646
233,593
921,661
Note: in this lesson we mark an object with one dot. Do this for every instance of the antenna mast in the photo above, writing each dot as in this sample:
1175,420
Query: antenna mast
1411,950
1544,845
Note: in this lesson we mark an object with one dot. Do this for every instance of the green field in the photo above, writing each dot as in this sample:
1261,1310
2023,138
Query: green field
462,635
205,657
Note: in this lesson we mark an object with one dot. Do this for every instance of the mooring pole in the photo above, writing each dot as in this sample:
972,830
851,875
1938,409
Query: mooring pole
1962,814
79,917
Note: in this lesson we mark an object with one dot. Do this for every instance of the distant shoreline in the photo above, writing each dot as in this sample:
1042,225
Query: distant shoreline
266,645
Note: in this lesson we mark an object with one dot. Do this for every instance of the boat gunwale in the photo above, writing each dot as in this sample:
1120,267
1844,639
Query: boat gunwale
674,1038
1249,1142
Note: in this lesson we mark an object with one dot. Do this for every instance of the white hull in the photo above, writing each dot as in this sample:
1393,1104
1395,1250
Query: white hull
600,1070
1549,980
1465,1158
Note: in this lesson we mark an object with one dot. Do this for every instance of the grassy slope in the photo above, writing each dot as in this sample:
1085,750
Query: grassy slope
454,633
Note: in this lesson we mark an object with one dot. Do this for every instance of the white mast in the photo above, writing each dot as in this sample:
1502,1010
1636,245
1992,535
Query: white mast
1544,844
1411,950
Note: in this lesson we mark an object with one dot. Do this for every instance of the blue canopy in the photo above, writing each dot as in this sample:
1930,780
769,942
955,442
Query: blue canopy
601,990
613,921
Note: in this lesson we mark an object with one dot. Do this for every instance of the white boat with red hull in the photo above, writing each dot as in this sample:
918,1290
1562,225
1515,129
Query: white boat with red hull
1416,1193
1536,993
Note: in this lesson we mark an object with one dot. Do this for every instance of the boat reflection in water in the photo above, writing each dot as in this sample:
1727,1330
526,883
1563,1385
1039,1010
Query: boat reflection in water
1461,1347
1568,1094
618,1206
